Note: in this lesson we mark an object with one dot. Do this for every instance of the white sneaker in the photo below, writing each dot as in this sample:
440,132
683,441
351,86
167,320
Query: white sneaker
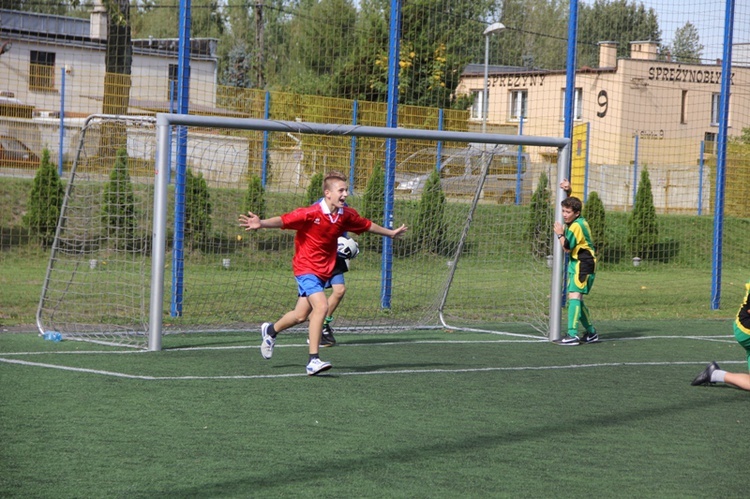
267,341
317,366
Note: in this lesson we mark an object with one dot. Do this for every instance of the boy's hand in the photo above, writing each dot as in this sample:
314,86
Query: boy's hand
397,232
559,229
251,221
565,185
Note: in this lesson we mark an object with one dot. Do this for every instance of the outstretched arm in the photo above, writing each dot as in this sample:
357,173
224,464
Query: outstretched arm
251,221
392,233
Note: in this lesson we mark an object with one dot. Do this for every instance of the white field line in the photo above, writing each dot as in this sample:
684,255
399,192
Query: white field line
5,359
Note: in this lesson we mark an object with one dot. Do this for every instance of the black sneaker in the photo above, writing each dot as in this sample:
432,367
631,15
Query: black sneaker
569,341
704,378
590,338
327,340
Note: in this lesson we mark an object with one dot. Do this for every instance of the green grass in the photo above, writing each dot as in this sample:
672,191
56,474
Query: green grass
415,414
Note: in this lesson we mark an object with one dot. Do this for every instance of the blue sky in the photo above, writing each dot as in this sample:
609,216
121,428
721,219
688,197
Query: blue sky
706,15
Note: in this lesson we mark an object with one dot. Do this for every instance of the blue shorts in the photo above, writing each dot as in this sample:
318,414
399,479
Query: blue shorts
309,284
336,279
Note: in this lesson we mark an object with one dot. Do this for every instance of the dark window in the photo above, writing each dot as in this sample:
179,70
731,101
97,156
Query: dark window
42,70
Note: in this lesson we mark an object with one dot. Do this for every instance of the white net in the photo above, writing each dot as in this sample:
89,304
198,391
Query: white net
219,278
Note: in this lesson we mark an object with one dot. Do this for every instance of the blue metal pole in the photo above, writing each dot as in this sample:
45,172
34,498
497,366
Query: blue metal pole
570,72
62,124
635,171
183,98
701,166
353,151
394,49
264,159
721,158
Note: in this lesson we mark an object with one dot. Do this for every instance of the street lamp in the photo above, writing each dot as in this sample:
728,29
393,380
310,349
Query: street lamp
492,28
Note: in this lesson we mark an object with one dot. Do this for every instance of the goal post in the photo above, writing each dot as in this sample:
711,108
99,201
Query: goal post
469,261
165,121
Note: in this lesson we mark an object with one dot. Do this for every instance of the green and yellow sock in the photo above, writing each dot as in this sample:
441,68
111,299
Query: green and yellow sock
574,315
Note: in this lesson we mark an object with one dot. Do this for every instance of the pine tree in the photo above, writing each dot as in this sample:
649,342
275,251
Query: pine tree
45,201
593,212
198,208
255,198
643,230
315,188
373,207
118,207
541,216
430,225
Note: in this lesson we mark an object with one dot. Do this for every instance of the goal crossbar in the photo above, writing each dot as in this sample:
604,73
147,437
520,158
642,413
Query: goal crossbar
165,121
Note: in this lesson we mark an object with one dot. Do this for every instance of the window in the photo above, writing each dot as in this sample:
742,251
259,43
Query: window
172,90
709,143
715,106
518,103
477,106
683,108
42,70
577,105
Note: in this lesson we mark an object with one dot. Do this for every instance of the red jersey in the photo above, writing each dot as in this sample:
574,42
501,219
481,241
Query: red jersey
318,231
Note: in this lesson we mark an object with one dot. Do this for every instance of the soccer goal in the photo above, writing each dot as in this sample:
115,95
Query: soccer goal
148,241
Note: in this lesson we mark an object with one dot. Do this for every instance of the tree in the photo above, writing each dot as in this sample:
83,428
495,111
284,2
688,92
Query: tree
686,46
621,21
643,230
315,188
198,208
430,226
255,198
118,204
45,201
541,216
593,212
373,208
117,77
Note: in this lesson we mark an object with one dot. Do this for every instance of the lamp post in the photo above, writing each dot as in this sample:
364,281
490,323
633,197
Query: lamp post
492,28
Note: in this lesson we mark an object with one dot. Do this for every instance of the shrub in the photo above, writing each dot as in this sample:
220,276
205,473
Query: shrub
373,206
430,226
643,230
593,212
541,216
118,207
45,201
255,198
315,188
198,208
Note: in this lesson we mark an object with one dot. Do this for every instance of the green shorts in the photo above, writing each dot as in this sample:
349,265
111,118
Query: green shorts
744,340
580,283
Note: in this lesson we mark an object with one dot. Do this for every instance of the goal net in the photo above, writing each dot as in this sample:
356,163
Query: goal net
145,247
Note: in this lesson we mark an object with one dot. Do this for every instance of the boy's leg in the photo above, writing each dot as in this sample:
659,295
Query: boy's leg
574,313
294,317
337,294
319,308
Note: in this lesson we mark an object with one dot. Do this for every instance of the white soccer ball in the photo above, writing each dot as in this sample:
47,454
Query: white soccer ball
348,247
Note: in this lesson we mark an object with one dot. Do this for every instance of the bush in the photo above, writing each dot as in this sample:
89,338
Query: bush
643,230
45,201
430,227
315,188
198,208
118,207
373,206
541,216
255,198
593,212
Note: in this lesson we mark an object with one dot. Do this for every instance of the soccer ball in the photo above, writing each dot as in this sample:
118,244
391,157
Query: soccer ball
348,247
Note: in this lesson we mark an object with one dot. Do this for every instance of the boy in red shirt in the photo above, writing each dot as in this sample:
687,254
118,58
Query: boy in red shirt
318,229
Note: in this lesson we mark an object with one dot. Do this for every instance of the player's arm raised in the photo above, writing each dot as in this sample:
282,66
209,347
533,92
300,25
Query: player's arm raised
251,221
392,233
